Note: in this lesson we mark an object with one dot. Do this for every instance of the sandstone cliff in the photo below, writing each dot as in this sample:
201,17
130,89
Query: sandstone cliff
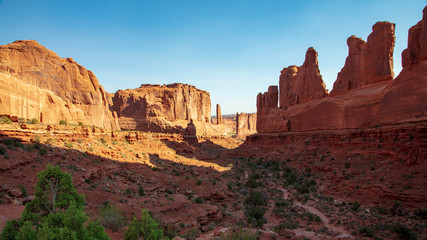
164,108
245,123
36,83
368,62
301,84
365,94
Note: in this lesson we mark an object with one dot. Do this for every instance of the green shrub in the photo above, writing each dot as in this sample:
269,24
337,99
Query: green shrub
5,119
146,228
62,122
56,212
404,232
141,191
43,151
35,121
369,232
81,124
255,216
237,234
422,213
355,206
199,182
69,145
199,200
3,150
23,190
285,225
255,198
110,217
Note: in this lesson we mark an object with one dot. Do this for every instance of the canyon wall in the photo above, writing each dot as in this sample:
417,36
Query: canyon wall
165,108
365,93
245,123
37,83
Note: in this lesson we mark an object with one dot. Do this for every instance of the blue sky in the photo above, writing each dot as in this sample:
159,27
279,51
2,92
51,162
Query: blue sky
234,49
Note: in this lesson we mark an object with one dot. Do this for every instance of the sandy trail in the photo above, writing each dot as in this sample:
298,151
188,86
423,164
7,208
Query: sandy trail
342,233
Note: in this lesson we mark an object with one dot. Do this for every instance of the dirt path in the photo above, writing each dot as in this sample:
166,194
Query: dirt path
342,233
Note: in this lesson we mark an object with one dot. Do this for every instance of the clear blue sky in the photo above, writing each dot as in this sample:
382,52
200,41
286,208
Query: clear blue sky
232,48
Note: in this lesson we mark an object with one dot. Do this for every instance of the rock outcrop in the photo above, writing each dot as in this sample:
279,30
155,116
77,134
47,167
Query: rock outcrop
301,84
219,119
365,94
37,83
245,123
367,62
165,108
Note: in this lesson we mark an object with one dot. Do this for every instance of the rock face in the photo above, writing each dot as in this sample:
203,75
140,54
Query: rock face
162,108
218,115
245,123
367,62
36,83
301,84
364,95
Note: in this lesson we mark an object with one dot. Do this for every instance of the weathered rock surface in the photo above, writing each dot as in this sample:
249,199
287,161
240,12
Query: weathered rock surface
165,108
37,83
367,62
301,84
371,96
245,123
219,119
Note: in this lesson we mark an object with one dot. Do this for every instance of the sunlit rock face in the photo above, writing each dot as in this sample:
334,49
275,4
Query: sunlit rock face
365,93
37,83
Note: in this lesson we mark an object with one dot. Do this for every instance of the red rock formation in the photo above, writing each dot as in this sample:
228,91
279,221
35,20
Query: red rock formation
301,84
160,108
36,83
245,123
371,97
218,115
367,62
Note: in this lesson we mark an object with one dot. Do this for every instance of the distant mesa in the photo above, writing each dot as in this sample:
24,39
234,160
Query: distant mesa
364,94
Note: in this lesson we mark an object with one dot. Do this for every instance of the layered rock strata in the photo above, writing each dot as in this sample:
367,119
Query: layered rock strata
301,84
364,95
367,62
165,108
37,83
245,123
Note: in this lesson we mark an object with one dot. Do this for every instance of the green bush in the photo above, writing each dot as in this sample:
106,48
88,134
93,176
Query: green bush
69,145
141,191
285,225
23,190
404,232
3,150
5,119
237,234
62,122
146,228
199,200
255,199
199,182
355,206
255,216
35,121
110,217
56,212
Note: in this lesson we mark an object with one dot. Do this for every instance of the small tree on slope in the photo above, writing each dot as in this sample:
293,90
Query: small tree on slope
56,212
